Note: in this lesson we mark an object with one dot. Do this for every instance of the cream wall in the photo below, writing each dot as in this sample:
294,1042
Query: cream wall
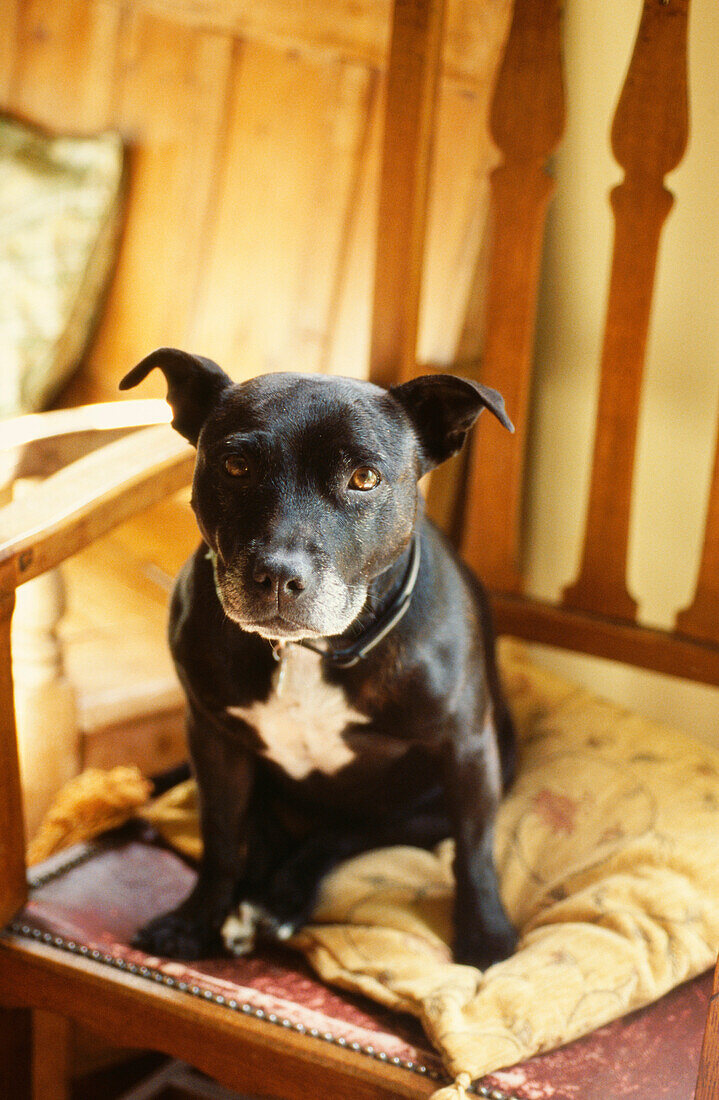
679,413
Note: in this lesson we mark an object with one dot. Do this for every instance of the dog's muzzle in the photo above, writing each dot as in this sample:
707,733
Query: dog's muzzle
285,594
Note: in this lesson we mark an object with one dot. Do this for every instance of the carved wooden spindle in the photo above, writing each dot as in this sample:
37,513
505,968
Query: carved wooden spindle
13,889
649,137
412,76
527,121
45,707
701,619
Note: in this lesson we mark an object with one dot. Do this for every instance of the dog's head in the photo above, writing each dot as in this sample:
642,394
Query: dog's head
305,486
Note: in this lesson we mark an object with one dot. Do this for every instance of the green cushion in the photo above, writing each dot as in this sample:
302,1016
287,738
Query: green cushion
60,213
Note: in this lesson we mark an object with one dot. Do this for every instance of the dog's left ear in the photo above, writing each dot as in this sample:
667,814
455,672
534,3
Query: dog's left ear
443,408
193,385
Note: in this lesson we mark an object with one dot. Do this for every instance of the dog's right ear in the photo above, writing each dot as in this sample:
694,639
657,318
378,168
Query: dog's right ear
443,408
193,385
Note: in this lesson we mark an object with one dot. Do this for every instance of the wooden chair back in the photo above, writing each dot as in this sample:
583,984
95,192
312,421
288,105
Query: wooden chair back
596,615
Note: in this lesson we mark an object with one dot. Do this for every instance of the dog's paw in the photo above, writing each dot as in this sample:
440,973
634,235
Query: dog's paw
482,949
252,920
177,935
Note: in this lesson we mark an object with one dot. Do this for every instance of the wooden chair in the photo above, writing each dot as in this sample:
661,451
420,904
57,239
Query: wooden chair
53,977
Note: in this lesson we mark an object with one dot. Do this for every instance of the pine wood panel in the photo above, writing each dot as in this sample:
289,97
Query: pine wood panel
10,18
154,742
262,275
294,133
527,120
457,208
172,87
342,28
649,137
348,342
61,63
451,308
114,640
433,202
351,29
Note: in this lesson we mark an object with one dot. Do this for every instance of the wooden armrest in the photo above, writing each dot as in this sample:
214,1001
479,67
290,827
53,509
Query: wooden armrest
106,416
40,444
73,507
53,520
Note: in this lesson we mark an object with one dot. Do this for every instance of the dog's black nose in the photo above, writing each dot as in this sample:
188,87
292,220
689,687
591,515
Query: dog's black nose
286,575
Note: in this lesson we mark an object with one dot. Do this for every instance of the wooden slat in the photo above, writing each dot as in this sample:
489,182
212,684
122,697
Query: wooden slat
701,619
602,636
648,138
13,889
412,79
527,121
23,431
708,1081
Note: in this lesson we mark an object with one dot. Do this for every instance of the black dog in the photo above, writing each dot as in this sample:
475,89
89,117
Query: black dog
337,657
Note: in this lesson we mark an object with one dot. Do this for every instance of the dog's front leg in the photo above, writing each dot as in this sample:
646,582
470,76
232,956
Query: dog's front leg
483,933
224,777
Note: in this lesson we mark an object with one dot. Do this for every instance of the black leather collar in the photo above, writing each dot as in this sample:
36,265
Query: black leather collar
373,634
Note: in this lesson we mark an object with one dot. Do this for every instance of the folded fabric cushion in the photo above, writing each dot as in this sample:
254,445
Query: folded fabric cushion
60,211
606,849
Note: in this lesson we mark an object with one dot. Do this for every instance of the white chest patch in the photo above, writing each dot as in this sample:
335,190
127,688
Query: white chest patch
302,725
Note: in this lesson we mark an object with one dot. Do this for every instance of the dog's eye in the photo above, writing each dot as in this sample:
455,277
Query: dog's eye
236,467
364,478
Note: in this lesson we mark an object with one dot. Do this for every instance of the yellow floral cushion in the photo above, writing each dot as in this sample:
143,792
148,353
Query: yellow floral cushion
607,853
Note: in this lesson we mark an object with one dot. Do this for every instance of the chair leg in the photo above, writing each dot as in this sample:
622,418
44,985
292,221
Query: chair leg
708,1082
51,1053
16,1053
